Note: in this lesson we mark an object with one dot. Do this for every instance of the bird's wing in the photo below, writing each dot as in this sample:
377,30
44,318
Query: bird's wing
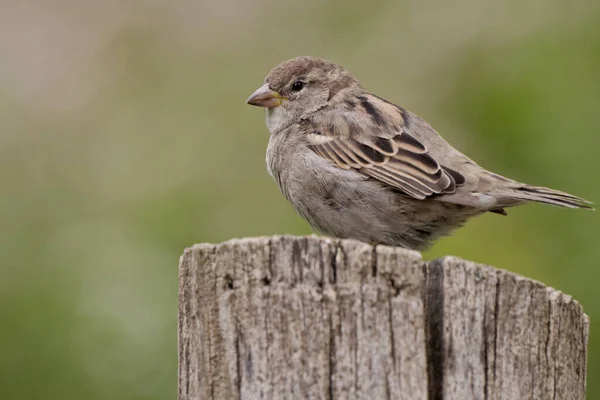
379,147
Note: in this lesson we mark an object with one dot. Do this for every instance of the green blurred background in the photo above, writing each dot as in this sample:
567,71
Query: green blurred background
125,137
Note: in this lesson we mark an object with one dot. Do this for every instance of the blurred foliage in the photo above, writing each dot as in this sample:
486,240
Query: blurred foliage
124,138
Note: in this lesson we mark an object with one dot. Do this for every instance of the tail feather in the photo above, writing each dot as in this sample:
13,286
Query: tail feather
550,196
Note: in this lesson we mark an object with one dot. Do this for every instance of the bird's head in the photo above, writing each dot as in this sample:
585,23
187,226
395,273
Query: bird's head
300,86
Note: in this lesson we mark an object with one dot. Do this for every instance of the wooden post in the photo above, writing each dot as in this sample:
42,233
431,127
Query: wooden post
318,318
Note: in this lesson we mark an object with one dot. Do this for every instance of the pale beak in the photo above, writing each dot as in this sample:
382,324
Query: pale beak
265,97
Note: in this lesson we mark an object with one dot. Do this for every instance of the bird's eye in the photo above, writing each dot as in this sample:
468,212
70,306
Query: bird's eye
297,86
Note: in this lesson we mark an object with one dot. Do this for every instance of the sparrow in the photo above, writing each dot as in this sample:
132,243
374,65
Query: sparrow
355,165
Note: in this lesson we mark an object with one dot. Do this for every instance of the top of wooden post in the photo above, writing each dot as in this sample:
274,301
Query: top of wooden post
311,317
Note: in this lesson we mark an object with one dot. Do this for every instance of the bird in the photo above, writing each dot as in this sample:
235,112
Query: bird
357,166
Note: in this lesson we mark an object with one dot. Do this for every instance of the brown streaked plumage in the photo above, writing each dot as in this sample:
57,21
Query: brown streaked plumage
357,166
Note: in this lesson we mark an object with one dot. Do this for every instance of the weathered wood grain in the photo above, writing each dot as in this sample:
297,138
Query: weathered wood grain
317,318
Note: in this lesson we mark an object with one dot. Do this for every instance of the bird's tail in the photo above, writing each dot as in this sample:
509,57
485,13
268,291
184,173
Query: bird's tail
545,195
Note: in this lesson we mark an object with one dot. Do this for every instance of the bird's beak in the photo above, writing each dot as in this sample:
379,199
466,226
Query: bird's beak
265,97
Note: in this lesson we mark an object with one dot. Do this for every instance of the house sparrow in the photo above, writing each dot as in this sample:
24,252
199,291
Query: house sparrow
357,166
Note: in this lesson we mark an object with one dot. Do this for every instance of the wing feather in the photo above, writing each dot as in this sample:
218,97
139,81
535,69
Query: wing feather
383,152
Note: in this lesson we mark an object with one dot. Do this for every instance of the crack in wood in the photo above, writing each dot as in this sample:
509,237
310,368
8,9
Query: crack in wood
434,329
